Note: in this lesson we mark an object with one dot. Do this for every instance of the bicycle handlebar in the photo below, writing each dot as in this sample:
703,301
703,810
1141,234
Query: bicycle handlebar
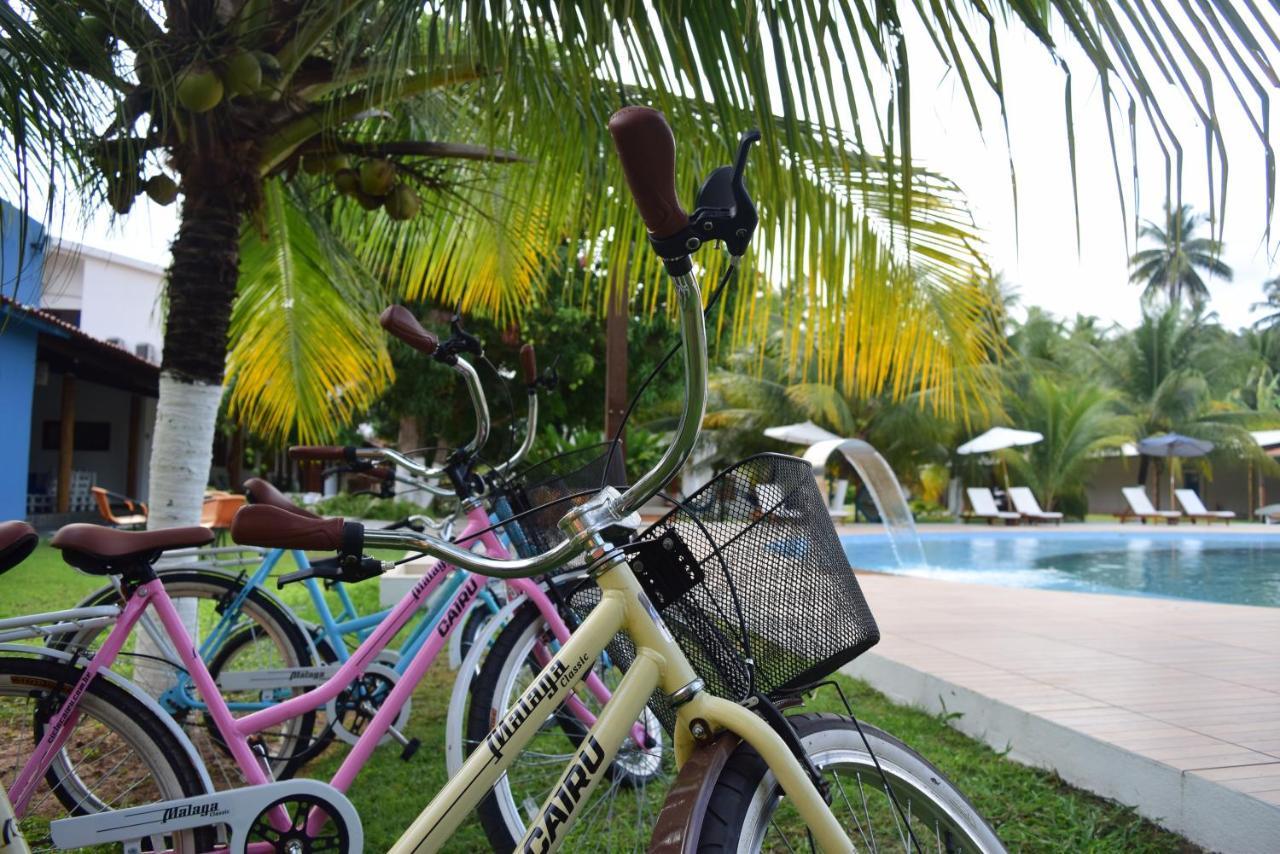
401,323
647,150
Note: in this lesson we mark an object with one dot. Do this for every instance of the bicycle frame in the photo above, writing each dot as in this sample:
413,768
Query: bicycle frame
659,663
237,731
333,627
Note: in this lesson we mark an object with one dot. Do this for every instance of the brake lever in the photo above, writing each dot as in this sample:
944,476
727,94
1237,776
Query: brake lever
349,569
748,139
460,341
549,380
724,210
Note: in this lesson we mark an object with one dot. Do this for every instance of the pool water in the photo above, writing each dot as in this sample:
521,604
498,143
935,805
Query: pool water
1240,569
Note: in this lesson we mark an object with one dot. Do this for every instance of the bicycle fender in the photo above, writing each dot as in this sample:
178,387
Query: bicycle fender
137,693
679,824
108,592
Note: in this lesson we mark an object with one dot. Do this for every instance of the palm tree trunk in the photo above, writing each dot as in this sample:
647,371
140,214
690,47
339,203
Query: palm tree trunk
201,288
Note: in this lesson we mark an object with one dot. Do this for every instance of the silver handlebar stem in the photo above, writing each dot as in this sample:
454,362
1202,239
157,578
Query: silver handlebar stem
610,507
694,335
481,407
478,402
530,433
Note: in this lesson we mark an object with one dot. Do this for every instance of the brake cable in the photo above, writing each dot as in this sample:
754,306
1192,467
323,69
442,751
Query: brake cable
653,374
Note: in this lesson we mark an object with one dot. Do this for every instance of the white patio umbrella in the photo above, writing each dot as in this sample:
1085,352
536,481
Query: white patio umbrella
804,433
997,439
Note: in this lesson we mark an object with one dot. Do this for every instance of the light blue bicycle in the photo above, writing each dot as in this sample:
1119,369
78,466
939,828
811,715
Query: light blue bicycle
262,653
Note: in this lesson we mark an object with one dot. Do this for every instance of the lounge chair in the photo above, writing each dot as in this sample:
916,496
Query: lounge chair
1140,507
1024,501
1190,501
1270,513
984,507
769,499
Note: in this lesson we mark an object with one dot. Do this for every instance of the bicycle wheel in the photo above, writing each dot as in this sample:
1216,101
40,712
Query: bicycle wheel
292,744
120,754
260,635
747,812
621,813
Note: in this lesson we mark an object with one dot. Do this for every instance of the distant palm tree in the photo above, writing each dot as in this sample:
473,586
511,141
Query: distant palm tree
1079,420
1271,288
1172,267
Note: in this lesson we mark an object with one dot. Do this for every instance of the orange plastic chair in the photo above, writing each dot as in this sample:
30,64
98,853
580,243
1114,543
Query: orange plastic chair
218,511
136,516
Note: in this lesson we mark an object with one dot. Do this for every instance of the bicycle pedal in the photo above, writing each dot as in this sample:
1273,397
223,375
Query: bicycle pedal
410,749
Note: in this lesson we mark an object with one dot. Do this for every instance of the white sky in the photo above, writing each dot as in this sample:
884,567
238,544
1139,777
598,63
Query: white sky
1046,267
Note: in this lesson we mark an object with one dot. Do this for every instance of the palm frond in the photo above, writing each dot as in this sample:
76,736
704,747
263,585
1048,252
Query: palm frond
307,353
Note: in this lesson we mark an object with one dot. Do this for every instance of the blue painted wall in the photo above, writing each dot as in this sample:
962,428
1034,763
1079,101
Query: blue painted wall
21,255
21,271
17,379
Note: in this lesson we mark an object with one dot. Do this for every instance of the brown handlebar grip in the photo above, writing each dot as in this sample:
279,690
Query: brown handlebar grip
400,322
262,493
647,150
318,452
276,528
380,473
529,363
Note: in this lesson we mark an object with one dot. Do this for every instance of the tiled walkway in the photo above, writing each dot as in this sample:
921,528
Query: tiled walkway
1171,706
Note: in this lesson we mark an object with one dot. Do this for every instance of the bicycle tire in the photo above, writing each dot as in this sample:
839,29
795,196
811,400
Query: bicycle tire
644,774
37,681
295,736
743,807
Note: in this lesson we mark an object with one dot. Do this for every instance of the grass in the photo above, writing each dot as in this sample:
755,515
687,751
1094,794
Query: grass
1032,810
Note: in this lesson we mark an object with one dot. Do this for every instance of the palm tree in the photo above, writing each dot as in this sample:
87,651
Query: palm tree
1173,265
239,99
1271,289
1168,369
1079,421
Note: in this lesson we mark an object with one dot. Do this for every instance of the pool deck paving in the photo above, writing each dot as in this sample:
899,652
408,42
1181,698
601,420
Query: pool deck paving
1170,706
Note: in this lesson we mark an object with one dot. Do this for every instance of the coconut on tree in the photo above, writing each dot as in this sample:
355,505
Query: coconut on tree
238,106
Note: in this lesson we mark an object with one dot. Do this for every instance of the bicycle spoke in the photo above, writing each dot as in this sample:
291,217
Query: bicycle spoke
781,835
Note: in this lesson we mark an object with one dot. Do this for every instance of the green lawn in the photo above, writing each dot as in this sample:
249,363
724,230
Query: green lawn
1032,810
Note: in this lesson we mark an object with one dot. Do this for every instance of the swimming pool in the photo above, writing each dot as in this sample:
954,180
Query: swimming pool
1242,569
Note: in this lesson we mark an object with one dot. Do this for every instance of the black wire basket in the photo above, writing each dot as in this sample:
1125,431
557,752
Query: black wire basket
750,577
543,493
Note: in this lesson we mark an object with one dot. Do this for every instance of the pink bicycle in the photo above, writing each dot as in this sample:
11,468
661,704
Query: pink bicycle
95,753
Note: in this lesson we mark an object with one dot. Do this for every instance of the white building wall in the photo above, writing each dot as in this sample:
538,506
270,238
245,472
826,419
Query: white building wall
1227,488
122,301
117,297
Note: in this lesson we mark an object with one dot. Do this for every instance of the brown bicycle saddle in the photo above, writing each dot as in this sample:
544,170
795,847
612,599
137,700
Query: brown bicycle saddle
263,493
109,551
17,540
